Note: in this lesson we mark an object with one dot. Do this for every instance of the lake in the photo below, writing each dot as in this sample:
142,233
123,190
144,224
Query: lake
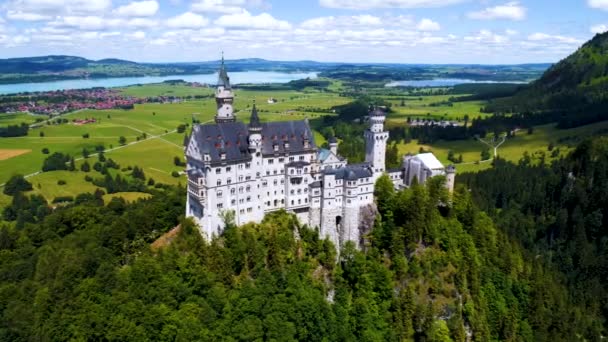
236,77
440,82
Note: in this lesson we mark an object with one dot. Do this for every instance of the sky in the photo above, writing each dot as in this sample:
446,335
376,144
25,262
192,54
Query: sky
382,31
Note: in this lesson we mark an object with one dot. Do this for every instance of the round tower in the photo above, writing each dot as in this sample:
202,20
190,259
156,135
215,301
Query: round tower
450,175
224,97
375,142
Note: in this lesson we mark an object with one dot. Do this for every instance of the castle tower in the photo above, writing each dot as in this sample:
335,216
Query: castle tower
224,97
375,142
333,145
450,175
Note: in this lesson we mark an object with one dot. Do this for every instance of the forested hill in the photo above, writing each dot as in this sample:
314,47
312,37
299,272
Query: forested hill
573,92
559,212
428,273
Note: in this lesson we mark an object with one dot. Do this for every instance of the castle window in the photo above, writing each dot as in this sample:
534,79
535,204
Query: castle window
248,198
299,201
218,171
240,190
270,161
275,182
248,188
249,210
291,159
282,181
247,165
264,183
240,178
220,194
292,191
306,200
281,160
274,172
219,182
267,172
229,181
242,211
228,169
301,158
233,202
305,169
220,205
291,202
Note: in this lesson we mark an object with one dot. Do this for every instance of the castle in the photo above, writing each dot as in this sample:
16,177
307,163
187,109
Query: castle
259,168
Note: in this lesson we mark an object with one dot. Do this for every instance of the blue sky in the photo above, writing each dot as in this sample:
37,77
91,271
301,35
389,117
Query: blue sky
403,31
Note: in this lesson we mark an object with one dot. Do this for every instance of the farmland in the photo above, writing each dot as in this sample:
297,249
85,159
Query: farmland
152,141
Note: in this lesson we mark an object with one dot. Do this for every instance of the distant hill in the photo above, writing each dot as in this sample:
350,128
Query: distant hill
49,68
572,92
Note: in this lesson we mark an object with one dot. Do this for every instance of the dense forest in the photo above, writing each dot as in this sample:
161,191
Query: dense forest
558,212
433,269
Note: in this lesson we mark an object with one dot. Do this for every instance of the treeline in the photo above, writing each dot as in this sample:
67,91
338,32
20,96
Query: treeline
428,272
558,212
14,130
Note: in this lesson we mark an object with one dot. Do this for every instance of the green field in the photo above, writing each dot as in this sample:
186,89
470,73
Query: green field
422,107
158,123
18,118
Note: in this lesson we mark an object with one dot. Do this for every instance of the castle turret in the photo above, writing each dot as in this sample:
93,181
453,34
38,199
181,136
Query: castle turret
224,97
333,145
375,142
255,131
450,175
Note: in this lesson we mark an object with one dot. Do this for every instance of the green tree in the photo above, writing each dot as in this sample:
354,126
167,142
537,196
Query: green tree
122,140
15,184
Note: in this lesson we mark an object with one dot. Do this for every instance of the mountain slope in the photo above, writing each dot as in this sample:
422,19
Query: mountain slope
572,92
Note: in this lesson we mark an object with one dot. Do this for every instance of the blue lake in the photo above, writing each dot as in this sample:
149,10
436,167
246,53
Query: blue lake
237,77
439,82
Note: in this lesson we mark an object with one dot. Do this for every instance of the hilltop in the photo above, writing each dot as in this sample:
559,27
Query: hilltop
571,92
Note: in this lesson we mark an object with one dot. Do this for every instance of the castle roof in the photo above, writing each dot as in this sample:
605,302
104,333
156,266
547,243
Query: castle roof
350,172
223,79
429,160
231,138
254,121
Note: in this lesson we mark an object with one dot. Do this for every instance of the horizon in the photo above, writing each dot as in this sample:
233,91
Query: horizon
227,60
427,32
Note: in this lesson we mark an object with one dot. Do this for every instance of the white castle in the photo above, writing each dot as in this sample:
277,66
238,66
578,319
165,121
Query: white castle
259,168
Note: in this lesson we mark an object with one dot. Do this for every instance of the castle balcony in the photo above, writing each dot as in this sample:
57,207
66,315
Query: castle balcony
198,194
196,181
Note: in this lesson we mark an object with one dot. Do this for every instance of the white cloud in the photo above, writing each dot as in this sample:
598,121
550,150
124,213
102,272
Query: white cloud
146,8
246,20
92,23
600,28
137,35
487,37
371,4
59,7
511,32
26,16
599,4
428,25
509,11
365,20
540,37
187,20
219,6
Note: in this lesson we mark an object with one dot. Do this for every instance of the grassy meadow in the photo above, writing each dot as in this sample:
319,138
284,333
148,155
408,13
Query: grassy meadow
158,123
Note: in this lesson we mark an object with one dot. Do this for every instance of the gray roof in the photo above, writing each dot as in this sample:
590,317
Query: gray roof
377,112
316,184
254,121
298,164
280,132
230,137
350,172
223,79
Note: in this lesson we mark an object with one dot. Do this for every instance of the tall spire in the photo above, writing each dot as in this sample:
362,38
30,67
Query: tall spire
254,121
223,79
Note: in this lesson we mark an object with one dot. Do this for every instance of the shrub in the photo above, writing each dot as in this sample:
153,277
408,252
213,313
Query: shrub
85,167
85,136
122,140
61,182
175,174
62,199
45,151
88,178
41,134
16,184
56,161
151,182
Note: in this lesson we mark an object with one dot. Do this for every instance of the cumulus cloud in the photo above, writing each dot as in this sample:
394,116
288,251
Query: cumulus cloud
137,35
187,20
599,4
146,8
600,28
371,4
487,37
58,7
219,6
509,11
247,20
342,21
428,25
91,23
539,36
26,16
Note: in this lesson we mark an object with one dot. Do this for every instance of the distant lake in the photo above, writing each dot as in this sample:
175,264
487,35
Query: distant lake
440,82
237,77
